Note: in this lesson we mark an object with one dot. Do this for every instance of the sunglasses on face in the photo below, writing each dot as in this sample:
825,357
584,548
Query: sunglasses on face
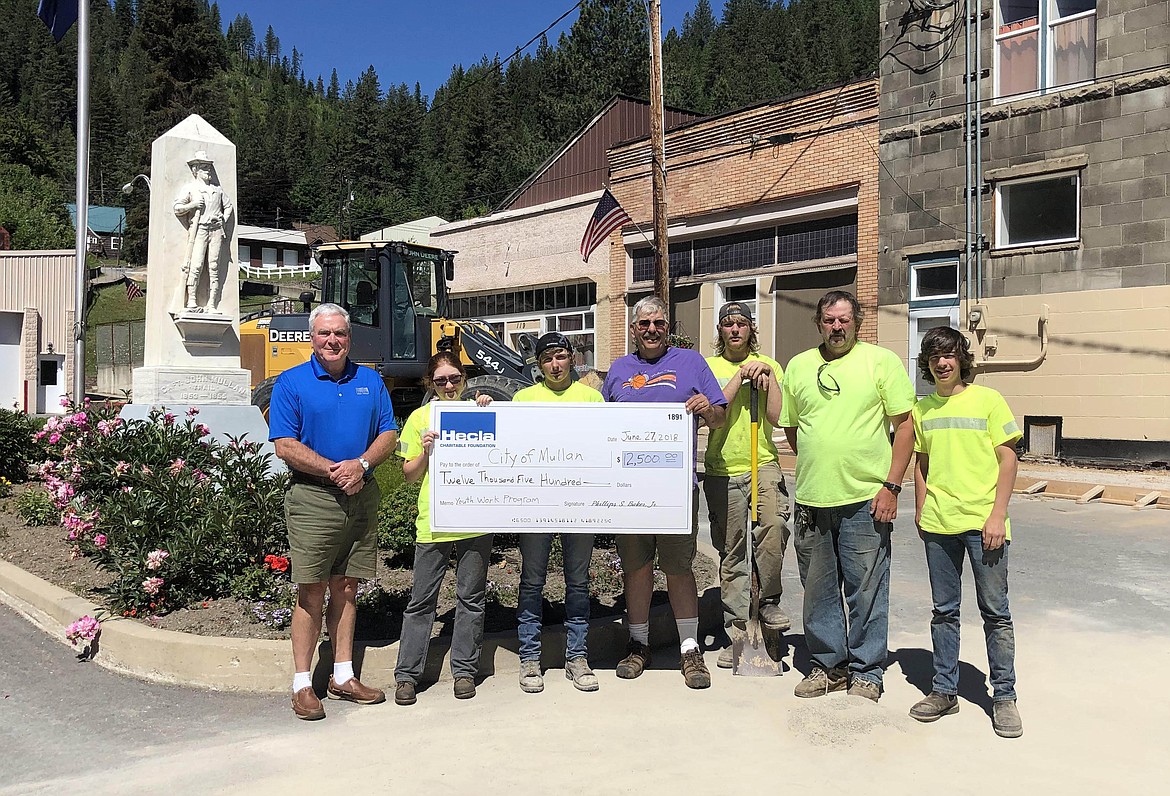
443,381
644,324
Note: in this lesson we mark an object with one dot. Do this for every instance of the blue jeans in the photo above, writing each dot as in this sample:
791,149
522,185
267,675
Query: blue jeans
577,551
843,552
944,559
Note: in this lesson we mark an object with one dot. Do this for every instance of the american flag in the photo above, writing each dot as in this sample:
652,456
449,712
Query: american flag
606,218
133,291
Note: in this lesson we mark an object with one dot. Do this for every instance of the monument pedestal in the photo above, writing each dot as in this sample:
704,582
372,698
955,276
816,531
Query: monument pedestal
179,387
202,330
225,422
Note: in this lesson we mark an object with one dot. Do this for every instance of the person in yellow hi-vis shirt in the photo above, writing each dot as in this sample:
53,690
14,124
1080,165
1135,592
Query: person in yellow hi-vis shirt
727,477
840,401
554,355
965,436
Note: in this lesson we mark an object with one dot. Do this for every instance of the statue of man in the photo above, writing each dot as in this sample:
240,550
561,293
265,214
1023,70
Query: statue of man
210,210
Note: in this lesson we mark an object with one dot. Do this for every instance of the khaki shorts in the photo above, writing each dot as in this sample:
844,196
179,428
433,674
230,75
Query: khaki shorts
676,551
331,533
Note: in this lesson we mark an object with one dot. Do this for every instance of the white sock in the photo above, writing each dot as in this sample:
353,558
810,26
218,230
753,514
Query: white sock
640,632
302,680
343,672
688,630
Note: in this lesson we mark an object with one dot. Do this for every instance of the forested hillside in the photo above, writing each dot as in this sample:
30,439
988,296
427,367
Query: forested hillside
306,142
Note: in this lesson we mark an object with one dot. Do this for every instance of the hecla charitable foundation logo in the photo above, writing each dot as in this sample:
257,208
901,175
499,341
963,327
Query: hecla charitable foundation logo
468,427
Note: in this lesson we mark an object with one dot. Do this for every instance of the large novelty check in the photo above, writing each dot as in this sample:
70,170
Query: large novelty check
586,468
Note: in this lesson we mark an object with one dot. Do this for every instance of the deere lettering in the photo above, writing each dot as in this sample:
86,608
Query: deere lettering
286,336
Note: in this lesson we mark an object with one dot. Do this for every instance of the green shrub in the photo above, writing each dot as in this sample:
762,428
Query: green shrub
36,508
397,515
174,516
21,448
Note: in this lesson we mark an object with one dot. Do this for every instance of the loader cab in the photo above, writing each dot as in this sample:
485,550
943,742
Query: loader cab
392,292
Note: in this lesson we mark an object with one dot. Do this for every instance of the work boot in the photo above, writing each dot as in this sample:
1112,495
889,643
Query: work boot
530,680
694,670
820,682
1005,719
866,688
582,676
464,688
636,660
772,616
935,706
404,694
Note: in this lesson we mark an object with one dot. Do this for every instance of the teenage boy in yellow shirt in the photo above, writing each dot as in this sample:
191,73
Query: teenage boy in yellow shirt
738,366
965,437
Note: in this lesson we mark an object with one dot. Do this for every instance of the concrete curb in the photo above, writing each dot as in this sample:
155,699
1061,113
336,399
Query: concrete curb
259,665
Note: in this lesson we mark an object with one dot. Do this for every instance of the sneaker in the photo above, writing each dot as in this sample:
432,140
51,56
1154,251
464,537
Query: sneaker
694,670
866,688
935,706
773,617
582,676
636,660
726,659
1005,719
820,682
464,688
530,680
404,694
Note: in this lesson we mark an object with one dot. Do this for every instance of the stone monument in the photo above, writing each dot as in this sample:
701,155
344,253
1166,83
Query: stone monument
191,355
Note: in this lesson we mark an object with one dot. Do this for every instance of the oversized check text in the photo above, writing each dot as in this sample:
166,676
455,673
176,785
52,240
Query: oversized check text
584,468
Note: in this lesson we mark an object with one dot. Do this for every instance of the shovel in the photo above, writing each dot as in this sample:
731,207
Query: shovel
750,656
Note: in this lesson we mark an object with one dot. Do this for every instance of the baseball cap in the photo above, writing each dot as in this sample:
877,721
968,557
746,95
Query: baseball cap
552,340
733,308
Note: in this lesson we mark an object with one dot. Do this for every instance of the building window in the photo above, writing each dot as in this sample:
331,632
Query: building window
569,309
817,240
934,279
1044,44
741,252
680,261
268,257
1037,210
743,292
291,258
245,254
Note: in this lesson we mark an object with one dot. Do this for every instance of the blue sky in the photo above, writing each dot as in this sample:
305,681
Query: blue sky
409,41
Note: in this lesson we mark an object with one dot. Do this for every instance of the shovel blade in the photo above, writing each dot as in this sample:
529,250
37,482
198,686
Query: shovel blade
750,655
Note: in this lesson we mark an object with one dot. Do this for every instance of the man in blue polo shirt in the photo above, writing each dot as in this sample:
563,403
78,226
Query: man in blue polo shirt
332,423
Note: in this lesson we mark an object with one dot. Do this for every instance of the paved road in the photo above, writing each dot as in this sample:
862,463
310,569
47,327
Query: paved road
1091,595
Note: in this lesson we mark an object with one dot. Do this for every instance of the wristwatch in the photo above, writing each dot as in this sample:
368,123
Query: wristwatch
365,467
894,488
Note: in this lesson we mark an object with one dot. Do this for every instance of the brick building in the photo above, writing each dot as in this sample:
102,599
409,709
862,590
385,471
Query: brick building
773,205
1057,269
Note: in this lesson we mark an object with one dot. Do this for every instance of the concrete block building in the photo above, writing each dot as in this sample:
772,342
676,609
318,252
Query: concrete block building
1025,151
773,205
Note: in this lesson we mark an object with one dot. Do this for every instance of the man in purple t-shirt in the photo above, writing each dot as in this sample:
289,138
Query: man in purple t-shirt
655,372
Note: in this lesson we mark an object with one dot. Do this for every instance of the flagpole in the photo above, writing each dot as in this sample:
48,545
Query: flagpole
82,274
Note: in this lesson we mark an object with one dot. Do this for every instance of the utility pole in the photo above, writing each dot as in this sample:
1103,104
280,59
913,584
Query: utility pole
658,156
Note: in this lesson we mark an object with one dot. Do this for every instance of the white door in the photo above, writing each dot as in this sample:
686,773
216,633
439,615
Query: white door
11,387
50,383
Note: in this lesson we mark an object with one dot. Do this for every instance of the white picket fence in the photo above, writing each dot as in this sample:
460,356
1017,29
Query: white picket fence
277,271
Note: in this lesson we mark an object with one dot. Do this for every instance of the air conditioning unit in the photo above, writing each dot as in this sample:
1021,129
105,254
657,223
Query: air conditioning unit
1043,435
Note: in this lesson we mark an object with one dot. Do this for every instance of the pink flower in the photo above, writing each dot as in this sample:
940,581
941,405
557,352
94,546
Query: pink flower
145,470
199,476
105,428
100,541
84,629
169,419
54,438
194,410
155,559
64,400
72,536
126,489
152,585
203,429
177,466
121,468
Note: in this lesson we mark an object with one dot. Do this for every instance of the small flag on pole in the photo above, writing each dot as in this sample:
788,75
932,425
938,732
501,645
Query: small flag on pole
606,218
59,15
133,291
